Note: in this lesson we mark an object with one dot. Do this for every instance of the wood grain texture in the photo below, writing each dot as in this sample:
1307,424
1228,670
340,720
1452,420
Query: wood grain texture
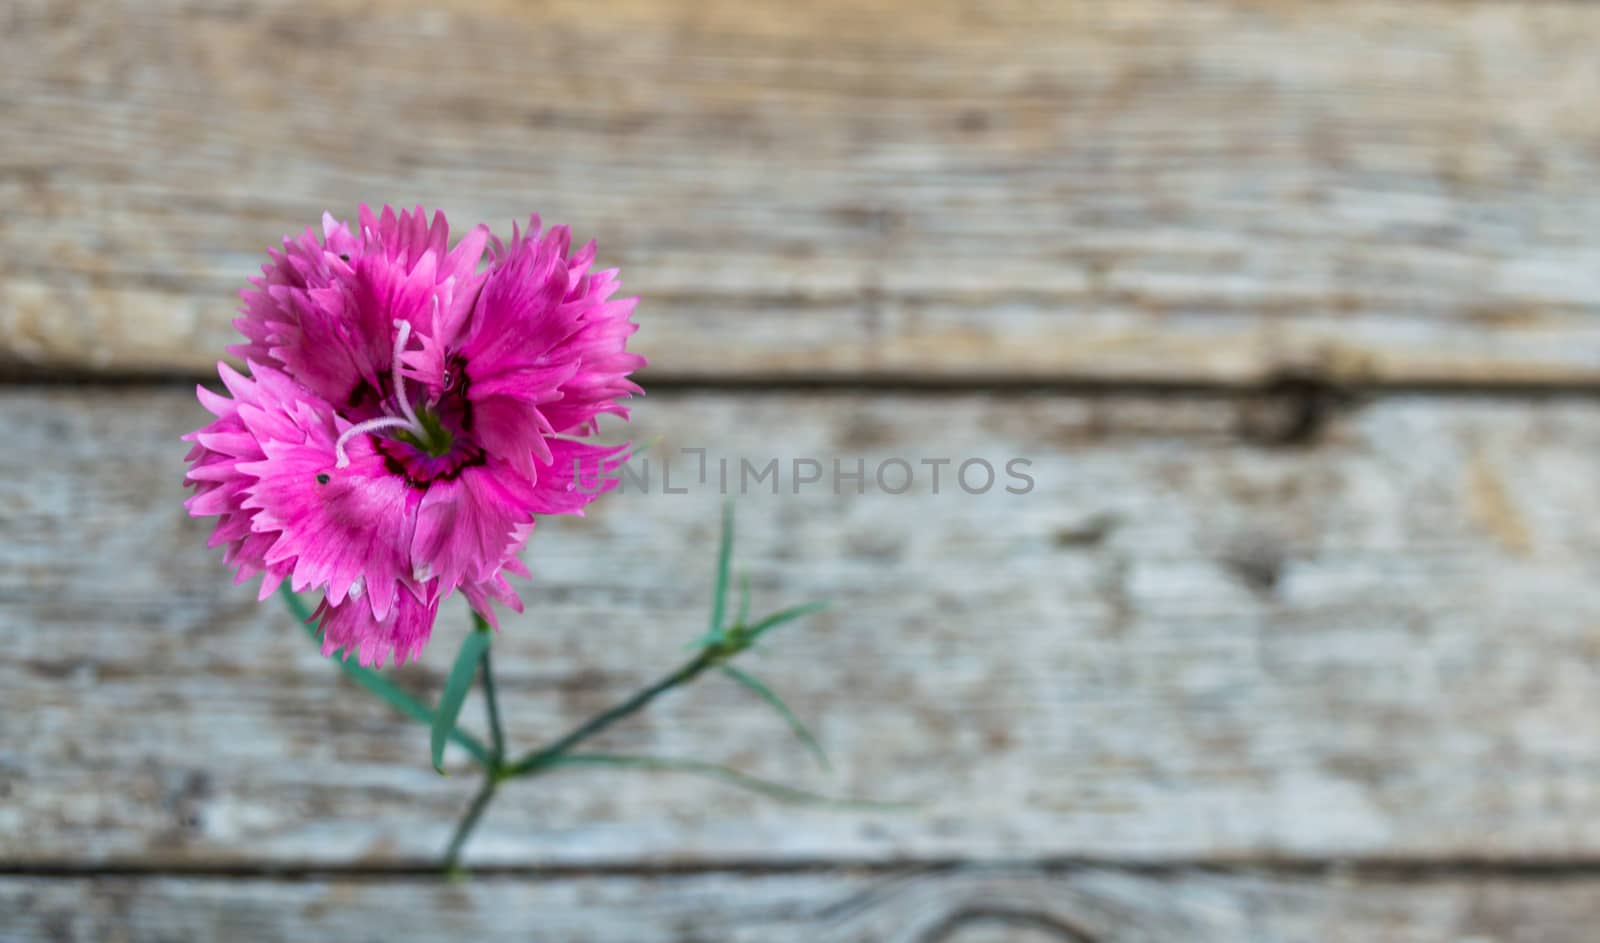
969,905
1181,645
1151,189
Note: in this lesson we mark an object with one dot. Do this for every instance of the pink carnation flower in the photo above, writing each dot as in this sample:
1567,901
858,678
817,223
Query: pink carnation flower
407,415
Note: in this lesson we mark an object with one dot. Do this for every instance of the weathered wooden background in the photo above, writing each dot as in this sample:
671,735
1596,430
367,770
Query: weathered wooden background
1295,308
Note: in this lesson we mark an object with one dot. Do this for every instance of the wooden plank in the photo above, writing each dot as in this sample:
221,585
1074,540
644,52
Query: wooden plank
962,906
1180,644
1151,189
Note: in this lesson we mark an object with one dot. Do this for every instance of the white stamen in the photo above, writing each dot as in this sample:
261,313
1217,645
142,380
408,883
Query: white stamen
400,377
408,422
341,460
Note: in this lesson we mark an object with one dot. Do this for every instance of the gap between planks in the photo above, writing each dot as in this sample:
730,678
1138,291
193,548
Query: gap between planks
1289,409
1390,870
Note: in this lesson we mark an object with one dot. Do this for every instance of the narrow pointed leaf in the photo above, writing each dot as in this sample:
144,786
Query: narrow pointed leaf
719,596
649,444
785,615
723,774
408,705
379,685
743,618
456,687
767,694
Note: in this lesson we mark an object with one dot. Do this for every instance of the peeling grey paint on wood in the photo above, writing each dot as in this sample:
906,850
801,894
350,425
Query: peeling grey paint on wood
1183,644
968,905
1151,189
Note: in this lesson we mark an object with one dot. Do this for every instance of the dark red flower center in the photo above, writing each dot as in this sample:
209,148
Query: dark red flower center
442,446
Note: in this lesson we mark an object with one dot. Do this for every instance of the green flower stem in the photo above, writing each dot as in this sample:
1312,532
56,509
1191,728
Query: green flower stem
493,769
497,755
536,760
719,646
540,760
480,802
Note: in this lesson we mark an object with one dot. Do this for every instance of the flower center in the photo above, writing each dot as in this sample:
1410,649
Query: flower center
441,453
426,436
436,440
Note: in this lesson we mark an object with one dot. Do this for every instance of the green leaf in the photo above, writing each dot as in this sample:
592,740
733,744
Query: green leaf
719,596
456,687
785,615
379,685
649,444
743,618
747,635
767,694
724,774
